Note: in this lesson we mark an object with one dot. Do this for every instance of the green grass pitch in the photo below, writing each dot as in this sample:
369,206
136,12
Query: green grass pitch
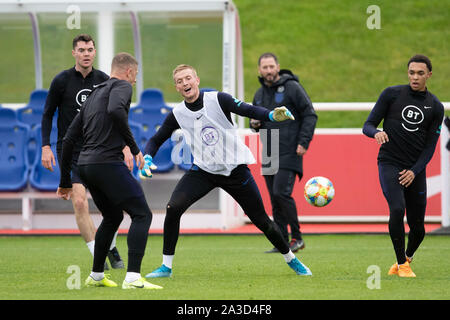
229,268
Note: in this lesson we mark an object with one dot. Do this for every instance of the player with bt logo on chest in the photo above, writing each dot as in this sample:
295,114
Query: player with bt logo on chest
411,128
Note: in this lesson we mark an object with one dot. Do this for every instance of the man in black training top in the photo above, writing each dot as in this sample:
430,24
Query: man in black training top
412,124
220,160
103,126
68,91
278,88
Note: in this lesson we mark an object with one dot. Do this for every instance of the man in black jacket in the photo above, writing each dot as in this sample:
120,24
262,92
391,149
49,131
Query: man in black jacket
68,91
102,125
282,88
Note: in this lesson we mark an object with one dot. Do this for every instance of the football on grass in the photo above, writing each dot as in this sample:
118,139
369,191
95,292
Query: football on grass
319,191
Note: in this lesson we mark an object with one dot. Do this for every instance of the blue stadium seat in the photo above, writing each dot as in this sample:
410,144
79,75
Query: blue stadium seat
163,159
152,98
31,115
41,178
207,89
14,164
151,118
37,99
8,115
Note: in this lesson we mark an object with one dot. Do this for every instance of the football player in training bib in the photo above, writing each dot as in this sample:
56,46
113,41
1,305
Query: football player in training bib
220,160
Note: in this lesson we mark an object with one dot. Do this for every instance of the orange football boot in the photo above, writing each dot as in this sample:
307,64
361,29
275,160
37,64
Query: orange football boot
404,271
394,269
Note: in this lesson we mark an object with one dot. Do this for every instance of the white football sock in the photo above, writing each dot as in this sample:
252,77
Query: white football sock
132,276
97,276
113,243
91,245
288,257
167,260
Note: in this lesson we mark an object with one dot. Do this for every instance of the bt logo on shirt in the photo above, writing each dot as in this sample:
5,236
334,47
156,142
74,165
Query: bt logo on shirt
210,135
82,95
413,116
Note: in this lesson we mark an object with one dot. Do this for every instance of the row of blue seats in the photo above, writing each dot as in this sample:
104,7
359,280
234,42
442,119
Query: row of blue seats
16,169
20,141
20,151
151,98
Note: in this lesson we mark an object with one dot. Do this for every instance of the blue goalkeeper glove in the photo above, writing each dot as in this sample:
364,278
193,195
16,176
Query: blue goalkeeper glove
146,172
280,114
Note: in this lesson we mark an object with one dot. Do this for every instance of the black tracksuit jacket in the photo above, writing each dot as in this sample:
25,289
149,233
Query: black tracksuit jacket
287,91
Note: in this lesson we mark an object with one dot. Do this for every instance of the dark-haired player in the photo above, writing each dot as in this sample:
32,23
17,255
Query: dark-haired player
68,90
282,87
103,125
412,123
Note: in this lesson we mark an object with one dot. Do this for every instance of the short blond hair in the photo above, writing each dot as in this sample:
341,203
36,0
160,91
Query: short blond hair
182,67
123,61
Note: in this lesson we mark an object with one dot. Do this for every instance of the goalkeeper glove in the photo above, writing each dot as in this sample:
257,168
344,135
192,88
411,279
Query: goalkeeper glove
280,114
146,172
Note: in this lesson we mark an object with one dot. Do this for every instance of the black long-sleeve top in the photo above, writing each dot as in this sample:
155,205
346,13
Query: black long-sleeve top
412,121
227,103
103,127
67,92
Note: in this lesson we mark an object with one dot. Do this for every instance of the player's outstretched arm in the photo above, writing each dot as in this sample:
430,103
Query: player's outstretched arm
281,114
169,125
232,105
